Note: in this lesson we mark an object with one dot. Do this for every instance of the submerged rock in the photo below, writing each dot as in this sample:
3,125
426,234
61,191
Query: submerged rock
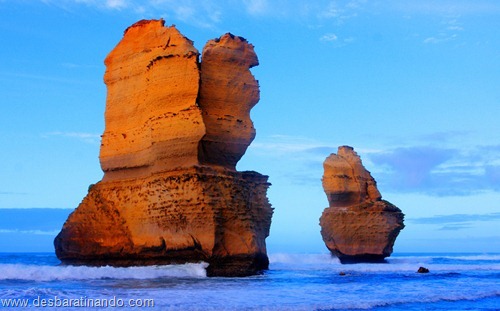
423,270
174,131
358,226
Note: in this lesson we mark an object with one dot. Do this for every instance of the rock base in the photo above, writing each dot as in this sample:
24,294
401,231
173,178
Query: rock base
190,215
362,233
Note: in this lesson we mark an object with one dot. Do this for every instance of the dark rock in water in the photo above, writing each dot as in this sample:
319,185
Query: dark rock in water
422,270
358,226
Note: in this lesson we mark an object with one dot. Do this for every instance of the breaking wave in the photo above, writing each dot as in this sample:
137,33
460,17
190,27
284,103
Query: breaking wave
394,264
57,273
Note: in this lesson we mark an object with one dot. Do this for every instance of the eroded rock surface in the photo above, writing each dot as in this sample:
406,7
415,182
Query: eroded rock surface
227,93
170,192
358,226
152,120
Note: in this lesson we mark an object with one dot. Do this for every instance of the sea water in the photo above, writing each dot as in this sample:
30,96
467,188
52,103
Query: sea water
294,282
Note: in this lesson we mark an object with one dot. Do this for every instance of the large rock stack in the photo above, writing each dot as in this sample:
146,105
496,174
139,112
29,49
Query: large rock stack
358,226
174,132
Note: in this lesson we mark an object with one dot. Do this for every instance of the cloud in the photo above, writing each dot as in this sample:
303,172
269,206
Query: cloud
341,11
412,165
438,171
107,4
333,38
432,168
256,7
76,66
441,38
454,227
296,159
329,37
455,218
116,4
42,78
37,221
284,144
89,138
36,232
203,14
447,7
12,193
455,222
321,150
443,136
450,29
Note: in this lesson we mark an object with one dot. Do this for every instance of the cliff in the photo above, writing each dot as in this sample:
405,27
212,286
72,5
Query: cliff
358,226
174,132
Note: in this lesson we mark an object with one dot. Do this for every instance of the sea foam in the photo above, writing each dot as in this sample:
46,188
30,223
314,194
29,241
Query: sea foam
54,273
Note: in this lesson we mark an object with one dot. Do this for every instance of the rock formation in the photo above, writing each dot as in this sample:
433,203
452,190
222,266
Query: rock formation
358,226
174,131
227,93
423,270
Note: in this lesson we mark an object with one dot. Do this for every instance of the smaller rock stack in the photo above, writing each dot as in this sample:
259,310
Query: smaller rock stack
358,226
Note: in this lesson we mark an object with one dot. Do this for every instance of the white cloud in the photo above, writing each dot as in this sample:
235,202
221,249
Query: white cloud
12,193
116,4
340,11
449,31
447,7
455,28
256,7
329,37
184,12
440,38
90,138
279,144
331,11
431,40
36,232
338,42
438,171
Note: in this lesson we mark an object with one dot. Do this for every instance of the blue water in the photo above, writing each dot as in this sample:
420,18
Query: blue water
294,282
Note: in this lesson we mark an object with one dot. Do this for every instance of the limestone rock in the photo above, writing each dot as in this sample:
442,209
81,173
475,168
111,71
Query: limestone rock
227,93
152,119
358,226
170,192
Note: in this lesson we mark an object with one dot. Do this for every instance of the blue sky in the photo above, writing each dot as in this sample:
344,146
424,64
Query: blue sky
413,86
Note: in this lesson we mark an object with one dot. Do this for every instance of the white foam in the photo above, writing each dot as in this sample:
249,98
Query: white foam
53,273
484,257
308,259
393,264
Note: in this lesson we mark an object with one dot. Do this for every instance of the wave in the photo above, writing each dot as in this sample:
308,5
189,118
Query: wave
393,264
287,258
483,257
56,273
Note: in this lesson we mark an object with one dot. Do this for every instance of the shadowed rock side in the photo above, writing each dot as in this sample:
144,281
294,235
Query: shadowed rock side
160,201
227,93
358,226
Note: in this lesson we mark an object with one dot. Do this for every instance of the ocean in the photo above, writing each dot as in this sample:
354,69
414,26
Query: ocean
294,282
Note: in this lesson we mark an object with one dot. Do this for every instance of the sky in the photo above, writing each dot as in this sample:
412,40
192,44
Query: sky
413,86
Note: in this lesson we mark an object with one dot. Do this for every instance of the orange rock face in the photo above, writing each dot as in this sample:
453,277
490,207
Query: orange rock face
358,226
152,119
170,192
228,91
